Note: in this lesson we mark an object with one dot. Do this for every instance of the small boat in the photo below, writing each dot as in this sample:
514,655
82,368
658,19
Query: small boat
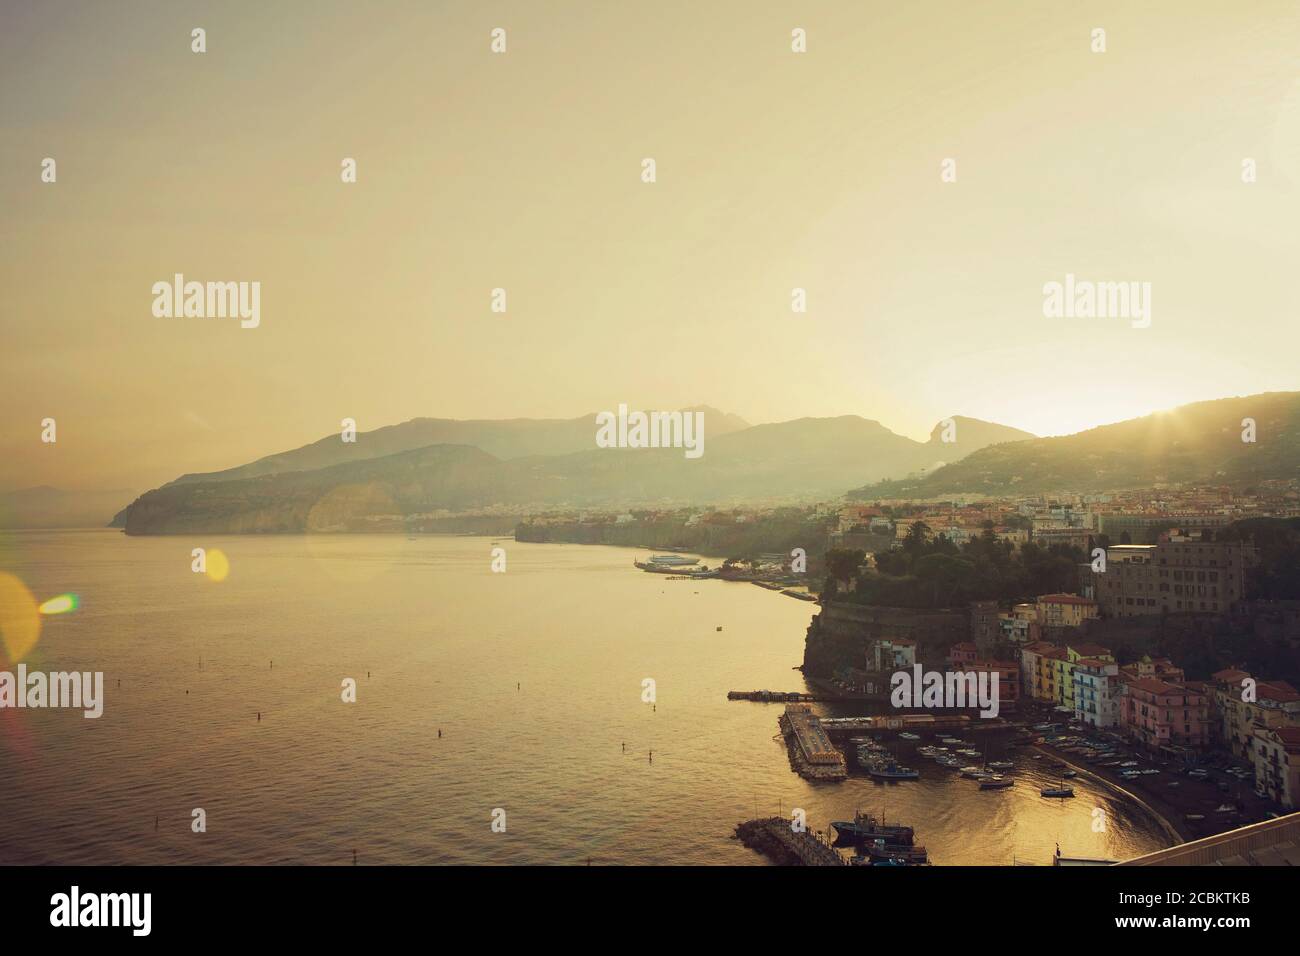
907,736
1057,792
1000,765
893,771
1068,774
997,783
879,850
672,560
1193,817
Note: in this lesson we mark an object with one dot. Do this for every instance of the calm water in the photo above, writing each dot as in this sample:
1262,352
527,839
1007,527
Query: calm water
534,677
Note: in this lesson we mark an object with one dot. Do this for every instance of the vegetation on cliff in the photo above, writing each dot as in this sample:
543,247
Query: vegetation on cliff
936,573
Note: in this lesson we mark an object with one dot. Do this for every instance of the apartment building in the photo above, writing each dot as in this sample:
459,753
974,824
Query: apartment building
1277,764
1243,705
1169,577
1165,717
1097,692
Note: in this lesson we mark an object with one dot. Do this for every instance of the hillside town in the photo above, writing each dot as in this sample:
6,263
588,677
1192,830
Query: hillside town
1134,575
1149,567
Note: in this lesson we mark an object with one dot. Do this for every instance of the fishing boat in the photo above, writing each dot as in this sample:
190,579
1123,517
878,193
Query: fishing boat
865,827
1057,792
997,783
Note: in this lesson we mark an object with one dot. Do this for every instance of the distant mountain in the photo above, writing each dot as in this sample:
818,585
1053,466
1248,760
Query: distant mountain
1200,442
340,497
47,507
505,438
970,435
802,459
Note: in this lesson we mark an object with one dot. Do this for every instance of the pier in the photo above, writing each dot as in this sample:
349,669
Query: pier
774,837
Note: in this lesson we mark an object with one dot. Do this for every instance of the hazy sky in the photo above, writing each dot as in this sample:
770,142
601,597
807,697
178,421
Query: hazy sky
522,170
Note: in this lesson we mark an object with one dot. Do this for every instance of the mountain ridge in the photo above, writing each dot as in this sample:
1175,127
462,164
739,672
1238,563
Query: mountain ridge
801,459
1199,441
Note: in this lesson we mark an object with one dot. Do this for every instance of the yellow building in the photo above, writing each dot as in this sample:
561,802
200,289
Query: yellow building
1065,610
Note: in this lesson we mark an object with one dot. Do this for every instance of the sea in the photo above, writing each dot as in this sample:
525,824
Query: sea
388,699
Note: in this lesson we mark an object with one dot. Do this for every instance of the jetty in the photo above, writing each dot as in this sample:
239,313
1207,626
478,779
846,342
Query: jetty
772,696
774,837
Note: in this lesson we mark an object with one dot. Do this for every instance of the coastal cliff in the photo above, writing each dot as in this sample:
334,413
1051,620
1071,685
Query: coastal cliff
840,634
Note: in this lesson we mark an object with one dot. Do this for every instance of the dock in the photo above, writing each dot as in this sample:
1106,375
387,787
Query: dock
839,727
774,837
812,754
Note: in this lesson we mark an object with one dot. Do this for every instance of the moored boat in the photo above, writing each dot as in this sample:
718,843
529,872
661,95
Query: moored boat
892,771
865,827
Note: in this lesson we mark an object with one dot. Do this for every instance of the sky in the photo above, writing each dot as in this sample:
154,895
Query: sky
522,170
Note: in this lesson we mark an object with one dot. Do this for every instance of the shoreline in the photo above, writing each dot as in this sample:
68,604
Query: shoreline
1176,830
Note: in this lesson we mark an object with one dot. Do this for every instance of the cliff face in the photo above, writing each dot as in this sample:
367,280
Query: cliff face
840,634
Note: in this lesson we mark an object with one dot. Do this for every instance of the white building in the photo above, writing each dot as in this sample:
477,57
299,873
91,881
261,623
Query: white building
1096,692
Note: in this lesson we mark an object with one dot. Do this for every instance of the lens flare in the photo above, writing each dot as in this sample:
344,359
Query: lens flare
218,565
20,621
63,604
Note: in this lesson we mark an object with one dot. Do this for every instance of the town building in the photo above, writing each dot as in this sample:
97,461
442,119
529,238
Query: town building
1172,719
1277,764
889,655
1065,610
1243,705
1169,577
1097,692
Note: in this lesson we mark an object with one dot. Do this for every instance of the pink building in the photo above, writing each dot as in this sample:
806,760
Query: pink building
962,653
1161,715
